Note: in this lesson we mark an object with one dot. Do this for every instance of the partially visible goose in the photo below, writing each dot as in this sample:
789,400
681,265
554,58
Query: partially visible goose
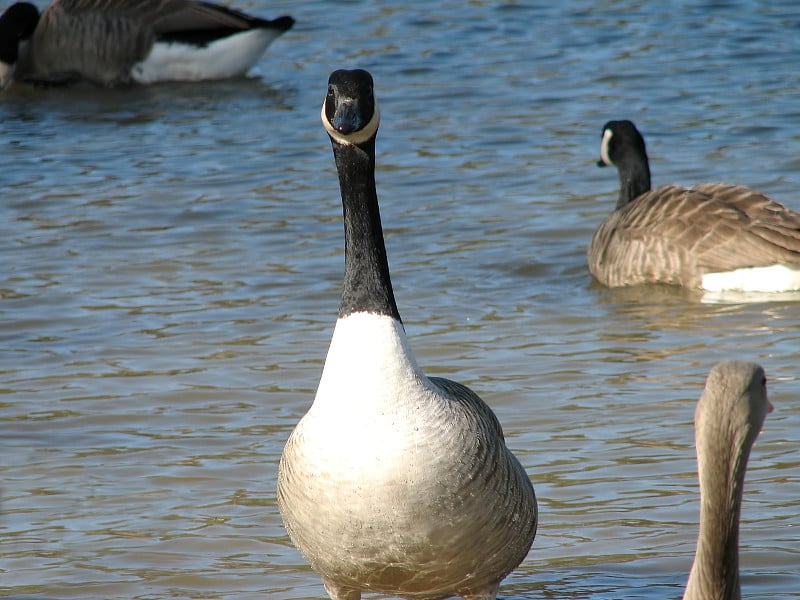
113,42
727,420
713,236
394,482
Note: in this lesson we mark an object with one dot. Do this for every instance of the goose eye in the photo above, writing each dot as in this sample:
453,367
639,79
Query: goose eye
330,104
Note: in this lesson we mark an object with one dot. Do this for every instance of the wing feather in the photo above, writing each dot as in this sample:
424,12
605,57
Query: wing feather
675,235
101,40
460,393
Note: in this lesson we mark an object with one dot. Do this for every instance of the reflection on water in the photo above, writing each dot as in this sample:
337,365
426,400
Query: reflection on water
172,258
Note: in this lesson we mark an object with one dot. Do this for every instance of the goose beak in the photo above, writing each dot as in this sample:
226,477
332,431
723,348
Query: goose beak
601,163
770,407
346,120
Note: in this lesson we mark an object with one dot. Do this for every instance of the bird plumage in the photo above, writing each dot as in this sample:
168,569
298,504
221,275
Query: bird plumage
108,42
394,482
687,235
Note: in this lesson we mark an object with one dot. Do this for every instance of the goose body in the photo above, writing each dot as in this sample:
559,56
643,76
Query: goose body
115,42
713,236
728,418
394,482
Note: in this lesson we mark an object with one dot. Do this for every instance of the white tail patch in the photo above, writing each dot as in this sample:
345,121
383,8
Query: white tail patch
775,278
231,56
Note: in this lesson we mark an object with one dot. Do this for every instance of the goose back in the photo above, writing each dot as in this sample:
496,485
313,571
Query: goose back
677,235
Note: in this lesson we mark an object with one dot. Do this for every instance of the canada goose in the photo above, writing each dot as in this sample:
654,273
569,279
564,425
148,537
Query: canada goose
729,416
394,482
113,42
713,236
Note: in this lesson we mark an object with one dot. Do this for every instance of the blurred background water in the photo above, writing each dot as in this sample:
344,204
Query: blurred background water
171,263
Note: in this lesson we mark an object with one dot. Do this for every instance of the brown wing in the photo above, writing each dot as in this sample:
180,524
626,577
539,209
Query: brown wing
675,235
775,230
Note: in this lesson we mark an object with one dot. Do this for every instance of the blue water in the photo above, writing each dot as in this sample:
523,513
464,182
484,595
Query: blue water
172,258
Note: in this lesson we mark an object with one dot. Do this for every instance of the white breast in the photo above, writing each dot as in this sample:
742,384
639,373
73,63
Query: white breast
371,400
384,469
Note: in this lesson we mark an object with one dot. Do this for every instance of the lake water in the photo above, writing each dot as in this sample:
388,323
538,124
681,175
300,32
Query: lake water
172,259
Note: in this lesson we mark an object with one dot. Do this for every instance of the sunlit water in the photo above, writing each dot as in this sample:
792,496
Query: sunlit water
171,263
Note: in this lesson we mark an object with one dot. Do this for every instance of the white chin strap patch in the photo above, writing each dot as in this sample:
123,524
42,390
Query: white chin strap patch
357,137
604,147
6,74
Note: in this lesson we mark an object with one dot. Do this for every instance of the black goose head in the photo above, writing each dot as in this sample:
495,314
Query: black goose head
350,114
621,144
17,23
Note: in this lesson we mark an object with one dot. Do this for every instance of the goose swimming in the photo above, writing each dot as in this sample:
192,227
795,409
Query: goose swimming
116,42
714,236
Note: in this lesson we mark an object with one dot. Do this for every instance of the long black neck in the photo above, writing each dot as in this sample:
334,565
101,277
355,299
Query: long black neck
367,284
634,179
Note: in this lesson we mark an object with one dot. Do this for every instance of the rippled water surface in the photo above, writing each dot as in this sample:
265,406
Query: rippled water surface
171,263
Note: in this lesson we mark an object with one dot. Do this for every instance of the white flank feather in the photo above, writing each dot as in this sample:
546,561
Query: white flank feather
775,278
231,56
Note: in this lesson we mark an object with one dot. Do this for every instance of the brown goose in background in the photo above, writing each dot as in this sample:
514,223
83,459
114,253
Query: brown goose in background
114,42
728,418
713,236
394,482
